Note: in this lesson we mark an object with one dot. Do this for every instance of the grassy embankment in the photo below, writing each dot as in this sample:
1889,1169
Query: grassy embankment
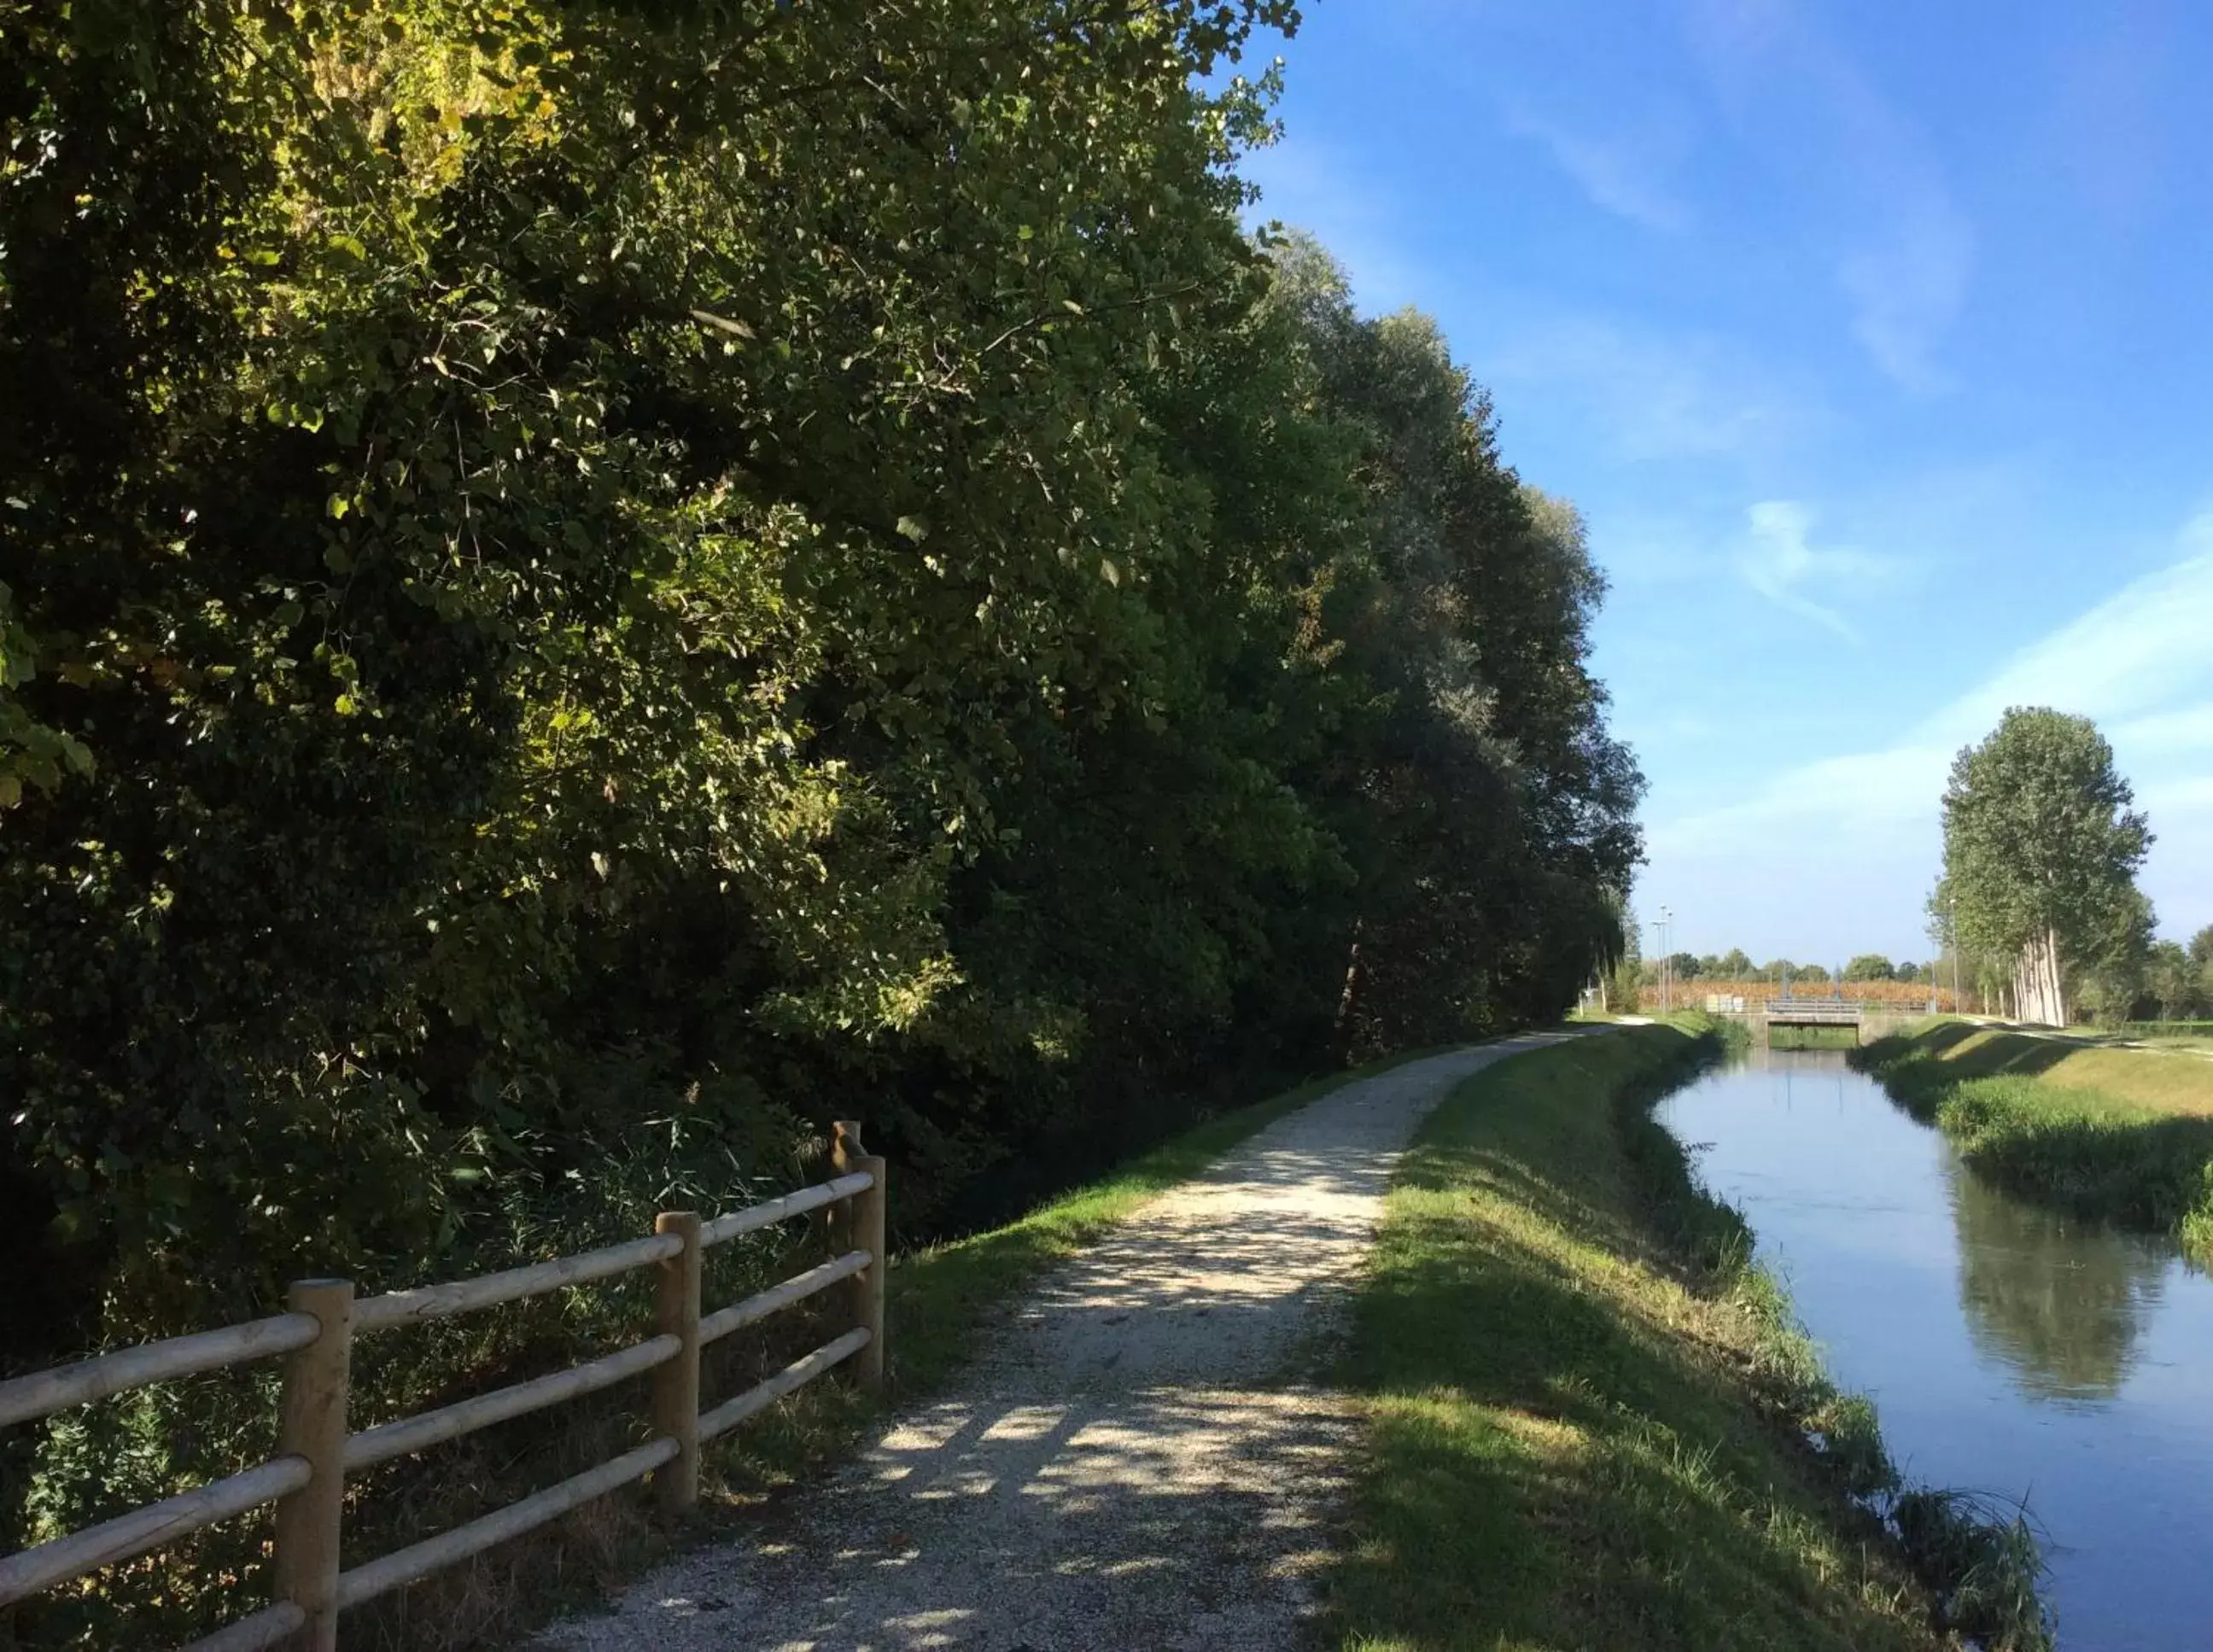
2119,1133
1596,1424
1813,1038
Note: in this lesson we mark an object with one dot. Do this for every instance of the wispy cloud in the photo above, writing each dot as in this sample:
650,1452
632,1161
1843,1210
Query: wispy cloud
1786,568
1648,396
2123,105
1308,185
2138,662
2147,649
1906,286
1903,250
1623,172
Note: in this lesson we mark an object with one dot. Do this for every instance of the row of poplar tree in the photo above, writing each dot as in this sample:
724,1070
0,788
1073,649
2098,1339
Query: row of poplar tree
587,586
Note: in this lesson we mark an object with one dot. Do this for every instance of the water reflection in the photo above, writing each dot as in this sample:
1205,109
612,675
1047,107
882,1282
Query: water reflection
2010,1351
2061,1302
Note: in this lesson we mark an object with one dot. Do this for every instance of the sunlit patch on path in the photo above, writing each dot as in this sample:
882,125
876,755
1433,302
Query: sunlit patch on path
1143,1460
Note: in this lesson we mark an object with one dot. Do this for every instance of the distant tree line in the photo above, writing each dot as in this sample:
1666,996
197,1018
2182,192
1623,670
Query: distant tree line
1736,965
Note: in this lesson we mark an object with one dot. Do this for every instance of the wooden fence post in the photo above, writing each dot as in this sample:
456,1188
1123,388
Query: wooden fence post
676,1381
864,1231
312,1424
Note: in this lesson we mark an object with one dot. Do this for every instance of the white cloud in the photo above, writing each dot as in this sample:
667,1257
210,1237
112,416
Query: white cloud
1650,397
1904,251
1908,284
2139,652
1859,833
1621,171
2168,732
1784,568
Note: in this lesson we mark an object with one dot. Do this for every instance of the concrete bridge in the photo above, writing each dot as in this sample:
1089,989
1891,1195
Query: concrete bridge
1813,1012
1761,1014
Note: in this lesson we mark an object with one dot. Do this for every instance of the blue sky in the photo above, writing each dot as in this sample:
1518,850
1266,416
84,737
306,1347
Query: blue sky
1873,343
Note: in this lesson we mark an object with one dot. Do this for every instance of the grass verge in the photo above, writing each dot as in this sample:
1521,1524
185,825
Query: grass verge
2123,1135
1595,1424
1813,1038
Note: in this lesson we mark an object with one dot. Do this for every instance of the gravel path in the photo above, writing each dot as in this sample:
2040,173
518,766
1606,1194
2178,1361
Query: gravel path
1141,1462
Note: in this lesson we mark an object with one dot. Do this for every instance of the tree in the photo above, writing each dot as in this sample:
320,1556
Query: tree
1813,972
1620,986
2201,948
1908,970
1779,969
2200,953
1870,966
2173,984
2040,854
581,586
1735,965
1685,966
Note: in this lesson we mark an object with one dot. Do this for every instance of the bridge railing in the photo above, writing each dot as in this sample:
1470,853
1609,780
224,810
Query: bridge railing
1842,1009
315,1451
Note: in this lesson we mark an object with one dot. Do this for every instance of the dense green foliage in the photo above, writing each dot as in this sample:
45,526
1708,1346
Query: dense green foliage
2177,980
585,587
2040,855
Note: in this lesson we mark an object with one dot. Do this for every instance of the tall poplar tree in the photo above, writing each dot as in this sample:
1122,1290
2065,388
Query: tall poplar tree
2041,849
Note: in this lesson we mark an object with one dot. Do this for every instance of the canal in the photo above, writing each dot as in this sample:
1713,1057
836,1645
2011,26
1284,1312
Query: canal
2010,1351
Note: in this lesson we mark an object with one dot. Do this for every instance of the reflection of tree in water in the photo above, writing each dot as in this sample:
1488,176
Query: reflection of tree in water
2059,1299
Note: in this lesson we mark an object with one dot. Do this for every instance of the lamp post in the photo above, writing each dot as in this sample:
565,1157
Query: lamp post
1956,952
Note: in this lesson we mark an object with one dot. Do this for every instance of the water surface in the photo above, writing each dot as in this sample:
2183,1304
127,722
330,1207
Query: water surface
2010,1350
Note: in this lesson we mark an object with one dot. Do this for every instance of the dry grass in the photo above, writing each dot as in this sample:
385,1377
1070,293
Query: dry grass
1902,994
2165,1081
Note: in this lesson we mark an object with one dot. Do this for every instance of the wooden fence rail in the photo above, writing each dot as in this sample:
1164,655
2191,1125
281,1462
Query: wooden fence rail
307,1479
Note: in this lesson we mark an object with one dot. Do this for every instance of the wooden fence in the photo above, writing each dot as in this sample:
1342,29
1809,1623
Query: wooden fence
307,1479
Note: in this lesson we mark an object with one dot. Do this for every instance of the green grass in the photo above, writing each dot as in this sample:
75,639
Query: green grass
1594,1424
2123,1135
1813,1038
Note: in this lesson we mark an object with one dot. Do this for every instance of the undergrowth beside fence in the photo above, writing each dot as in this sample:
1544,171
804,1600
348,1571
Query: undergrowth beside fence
1596,1423
92,1461
2122,1135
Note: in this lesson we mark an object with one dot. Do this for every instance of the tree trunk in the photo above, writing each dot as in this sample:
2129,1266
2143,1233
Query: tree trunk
1348,1001
2040,998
